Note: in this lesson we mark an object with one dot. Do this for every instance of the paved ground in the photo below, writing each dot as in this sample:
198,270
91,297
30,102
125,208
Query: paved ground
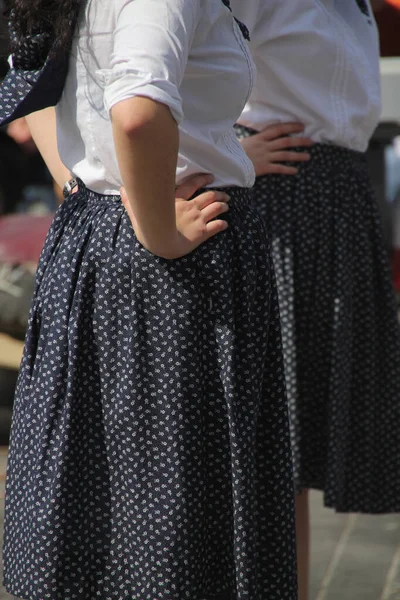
353,557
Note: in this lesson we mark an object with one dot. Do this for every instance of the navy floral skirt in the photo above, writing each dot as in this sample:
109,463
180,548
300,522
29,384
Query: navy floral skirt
150,450
340,330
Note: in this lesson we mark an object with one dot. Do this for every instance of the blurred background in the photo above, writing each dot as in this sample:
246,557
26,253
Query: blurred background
353,557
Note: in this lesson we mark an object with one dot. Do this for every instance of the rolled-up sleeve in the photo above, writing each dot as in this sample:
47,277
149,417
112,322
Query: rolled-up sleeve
152,39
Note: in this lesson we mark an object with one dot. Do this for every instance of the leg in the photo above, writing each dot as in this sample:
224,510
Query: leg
303,542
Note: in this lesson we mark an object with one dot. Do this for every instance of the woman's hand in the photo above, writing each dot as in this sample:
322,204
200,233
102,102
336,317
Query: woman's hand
268,149
196,220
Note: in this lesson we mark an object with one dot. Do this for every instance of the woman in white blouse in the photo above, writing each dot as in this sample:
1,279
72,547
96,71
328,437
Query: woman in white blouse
150,454
318,64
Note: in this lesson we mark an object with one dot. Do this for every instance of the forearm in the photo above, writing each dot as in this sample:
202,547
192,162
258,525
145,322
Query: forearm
42,125
146,142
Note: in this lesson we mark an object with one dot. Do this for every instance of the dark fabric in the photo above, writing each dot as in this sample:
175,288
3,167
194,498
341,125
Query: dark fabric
341,335
363,6
4,35
150,450
36,79
25,91
243,28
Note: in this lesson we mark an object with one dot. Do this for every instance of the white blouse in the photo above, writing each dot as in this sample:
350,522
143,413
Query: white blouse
317,62
187,54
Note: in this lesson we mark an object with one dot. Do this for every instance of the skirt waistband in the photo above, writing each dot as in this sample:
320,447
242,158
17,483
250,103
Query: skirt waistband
240,198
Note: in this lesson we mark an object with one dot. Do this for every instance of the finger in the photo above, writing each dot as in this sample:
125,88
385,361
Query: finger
208,198
287,156
214,210
191,184
214,227
277,130
277,169
290,142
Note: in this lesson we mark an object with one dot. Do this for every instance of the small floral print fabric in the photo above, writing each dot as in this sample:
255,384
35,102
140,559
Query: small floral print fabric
341,335
150,452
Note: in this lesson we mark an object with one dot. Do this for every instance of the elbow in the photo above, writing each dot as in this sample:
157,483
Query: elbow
135,116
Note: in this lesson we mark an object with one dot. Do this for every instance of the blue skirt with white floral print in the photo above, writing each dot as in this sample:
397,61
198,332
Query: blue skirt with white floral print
150,453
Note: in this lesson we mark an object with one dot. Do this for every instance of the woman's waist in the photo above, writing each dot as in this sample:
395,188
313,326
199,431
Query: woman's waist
240,213
325,158
224,159
108,183
352,132
240,197
202,151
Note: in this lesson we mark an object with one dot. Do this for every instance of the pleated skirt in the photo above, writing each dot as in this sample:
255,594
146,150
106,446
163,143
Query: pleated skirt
150,450
340,329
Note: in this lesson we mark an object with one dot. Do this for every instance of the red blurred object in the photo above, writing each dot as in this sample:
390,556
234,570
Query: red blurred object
388,21
22,237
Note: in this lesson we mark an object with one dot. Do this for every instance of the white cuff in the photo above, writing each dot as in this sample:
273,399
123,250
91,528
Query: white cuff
123,84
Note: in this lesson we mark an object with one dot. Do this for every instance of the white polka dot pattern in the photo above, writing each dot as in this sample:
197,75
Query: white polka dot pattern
150,451
341,335
39,69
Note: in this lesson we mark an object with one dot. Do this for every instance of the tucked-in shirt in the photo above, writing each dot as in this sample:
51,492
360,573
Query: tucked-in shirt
317,62
187,54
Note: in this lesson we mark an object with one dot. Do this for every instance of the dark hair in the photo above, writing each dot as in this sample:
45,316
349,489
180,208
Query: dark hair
54,17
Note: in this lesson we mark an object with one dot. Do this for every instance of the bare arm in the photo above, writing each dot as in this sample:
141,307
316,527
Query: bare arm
146,140
42,125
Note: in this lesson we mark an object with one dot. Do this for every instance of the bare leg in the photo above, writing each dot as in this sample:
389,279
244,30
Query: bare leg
303,542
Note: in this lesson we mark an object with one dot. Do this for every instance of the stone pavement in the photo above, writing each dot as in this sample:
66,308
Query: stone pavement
353,557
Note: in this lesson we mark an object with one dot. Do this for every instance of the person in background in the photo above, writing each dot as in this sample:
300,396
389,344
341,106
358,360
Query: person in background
150,452
318,66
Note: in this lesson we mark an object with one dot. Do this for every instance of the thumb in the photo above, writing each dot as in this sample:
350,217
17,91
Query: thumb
127,206
124,196
190,185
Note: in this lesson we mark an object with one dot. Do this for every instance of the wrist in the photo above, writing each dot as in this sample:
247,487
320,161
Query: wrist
164,245
69,187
